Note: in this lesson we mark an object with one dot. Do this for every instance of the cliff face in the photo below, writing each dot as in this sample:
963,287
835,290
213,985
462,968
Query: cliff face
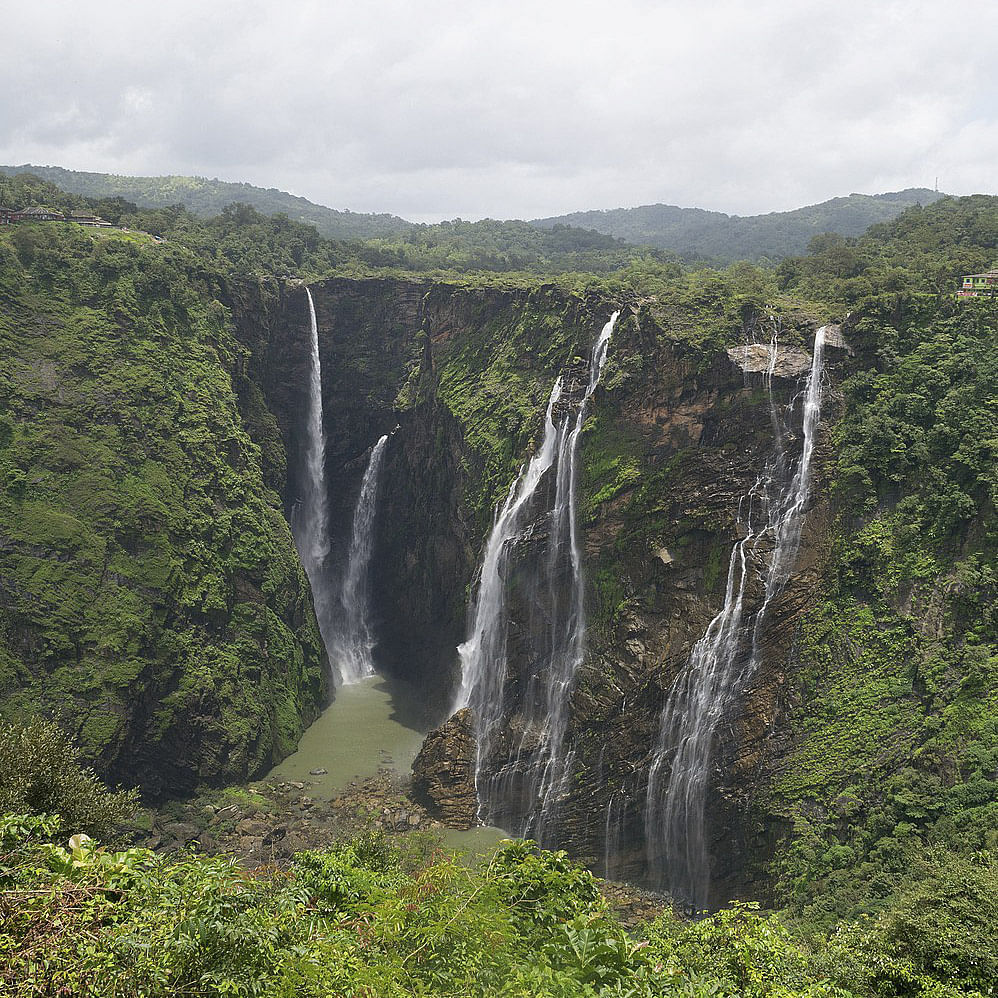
674,438
149,593
457,378
152,594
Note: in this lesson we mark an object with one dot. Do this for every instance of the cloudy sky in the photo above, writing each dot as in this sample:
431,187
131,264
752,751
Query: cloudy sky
433,109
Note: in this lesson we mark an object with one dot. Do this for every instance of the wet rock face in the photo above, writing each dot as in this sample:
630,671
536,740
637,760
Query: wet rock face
423,559
443,774
657,553
694,428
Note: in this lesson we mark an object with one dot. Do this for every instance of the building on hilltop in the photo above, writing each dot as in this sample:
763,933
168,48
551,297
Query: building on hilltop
85,218
979,284
37,214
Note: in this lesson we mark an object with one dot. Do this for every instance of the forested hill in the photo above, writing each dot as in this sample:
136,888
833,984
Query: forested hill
497,245
726,238
208,197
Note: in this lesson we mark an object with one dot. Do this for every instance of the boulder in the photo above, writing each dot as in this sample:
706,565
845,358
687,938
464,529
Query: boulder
443,773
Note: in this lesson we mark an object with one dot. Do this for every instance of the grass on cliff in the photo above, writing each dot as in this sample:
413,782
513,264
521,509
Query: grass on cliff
896,715
151,590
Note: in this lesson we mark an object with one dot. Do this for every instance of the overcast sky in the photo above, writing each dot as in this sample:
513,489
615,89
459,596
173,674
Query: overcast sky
431,109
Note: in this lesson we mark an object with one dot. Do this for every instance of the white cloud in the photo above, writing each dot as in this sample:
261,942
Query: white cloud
442,108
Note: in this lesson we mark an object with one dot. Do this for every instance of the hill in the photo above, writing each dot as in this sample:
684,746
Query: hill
726,238
208,197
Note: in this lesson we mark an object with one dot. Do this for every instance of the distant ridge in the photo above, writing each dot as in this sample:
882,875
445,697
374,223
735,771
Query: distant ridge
208,197
725,238
691,232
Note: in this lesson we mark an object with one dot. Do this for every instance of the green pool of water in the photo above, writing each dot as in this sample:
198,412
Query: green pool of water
367,728
361,732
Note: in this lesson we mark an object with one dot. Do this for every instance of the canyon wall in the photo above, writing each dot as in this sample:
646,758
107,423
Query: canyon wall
675,436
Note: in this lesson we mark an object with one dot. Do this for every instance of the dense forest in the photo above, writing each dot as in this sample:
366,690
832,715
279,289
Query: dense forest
727,238
148,582
207,198
692,233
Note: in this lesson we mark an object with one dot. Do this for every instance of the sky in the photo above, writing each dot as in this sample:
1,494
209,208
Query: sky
436,109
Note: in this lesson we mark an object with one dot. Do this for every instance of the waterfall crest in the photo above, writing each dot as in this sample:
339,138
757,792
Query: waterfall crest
353,642
310,516
523,791
769,522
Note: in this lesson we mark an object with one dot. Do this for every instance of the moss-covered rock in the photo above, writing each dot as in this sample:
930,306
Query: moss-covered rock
151,596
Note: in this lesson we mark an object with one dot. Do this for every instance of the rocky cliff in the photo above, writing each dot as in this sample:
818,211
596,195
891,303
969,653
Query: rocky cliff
675,437
149,593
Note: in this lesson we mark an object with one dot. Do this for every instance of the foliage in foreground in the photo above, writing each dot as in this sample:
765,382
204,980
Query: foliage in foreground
40,773
379,918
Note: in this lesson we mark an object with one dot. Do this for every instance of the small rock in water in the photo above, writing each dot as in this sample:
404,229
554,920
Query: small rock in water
297,785
318,772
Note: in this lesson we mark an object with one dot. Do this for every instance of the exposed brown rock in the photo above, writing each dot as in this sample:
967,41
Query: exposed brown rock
443,774
755,358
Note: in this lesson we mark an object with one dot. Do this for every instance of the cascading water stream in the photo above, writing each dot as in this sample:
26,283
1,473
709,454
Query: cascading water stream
353,643
310,517
524,789
770,518
342,614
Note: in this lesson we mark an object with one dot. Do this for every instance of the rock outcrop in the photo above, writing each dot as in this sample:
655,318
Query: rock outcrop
443,774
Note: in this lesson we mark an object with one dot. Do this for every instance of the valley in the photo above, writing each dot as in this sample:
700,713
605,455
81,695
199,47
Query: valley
687,572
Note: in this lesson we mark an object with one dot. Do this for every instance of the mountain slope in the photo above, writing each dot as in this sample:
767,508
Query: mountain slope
727,238
150,595
209,197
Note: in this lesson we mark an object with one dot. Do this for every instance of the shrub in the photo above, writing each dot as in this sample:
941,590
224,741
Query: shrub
40,773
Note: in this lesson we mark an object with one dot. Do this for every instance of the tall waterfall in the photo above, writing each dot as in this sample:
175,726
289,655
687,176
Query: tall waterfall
520,785
769,522
353,643
310,517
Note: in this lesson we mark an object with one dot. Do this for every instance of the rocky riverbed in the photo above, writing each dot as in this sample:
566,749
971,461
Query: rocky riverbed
268,822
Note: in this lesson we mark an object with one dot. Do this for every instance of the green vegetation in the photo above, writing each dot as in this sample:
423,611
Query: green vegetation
151,594
898,723
712,235
493,245
40,773
378,917
206,198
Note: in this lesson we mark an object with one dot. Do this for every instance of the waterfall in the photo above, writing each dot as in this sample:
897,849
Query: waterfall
769,521
342,614
353,643
526,787
310,516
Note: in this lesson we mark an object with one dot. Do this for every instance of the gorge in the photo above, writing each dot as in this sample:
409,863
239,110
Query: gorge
683,616
538,693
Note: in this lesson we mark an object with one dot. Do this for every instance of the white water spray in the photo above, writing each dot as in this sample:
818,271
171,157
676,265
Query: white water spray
521,785
353,642
310,517
770,518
